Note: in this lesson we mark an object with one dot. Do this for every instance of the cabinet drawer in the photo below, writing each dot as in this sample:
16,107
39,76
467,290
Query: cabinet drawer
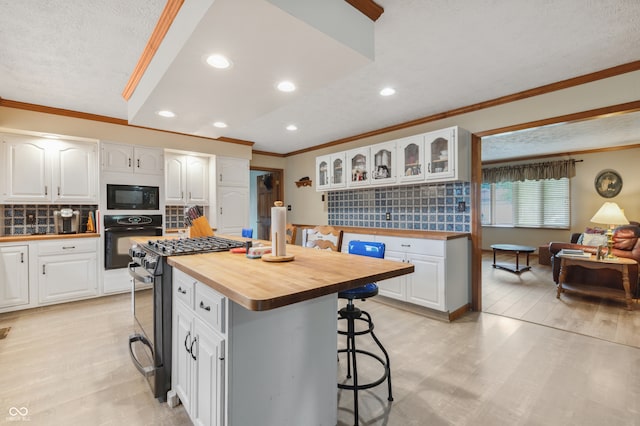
183,287
413,245
210,306
68,246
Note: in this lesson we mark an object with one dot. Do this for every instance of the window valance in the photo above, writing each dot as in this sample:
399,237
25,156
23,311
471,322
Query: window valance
533,171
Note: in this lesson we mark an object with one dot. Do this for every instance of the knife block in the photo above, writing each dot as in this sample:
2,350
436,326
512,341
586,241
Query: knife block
200,228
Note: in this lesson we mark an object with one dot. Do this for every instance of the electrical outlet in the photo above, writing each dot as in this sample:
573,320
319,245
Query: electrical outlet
289,207
462,206
388,216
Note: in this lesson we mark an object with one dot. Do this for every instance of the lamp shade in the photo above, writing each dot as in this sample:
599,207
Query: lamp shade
610,214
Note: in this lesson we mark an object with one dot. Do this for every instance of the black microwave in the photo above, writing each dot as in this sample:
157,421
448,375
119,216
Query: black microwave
133,197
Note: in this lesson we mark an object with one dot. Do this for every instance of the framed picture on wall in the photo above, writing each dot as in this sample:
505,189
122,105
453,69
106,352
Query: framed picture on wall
608,183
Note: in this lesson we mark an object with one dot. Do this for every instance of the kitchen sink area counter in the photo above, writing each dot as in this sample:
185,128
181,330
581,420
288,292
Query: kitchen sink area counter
45,237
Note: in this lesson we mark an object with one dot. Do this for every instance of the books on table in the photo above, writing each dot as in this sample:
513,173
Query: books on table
574,253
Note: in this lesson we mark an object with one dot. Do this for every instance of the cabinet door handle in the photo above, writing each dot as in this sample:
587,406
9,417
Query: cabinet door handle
220,210
68,247
138,163
129,161
405,245
189,194
203,306
44,269
182,195
58,191
21,257
185,342
429,167
181,291
220,177
193,355
46,190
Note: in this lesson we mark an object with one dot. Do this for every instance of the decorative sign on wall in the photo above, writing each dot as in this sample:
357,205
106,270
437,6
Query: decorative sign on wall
608,183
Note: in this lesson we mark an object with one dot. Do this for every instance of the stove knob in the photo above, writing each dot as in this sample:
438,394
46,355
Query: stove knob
150,263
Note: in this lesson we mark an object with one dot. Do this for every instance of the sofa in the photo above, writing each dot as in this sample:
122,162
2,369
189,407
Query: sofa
626,243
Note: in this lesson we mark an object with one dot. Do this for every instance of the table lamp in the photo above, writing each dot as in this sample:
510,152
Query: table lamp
611,215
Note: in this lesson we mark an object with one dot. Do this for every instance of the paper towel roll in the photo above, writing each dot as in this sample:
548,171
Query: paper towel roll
278,230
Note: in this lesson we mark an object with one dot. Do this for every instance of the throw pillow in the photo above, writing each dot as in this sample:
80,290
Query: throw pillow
595,230
594,240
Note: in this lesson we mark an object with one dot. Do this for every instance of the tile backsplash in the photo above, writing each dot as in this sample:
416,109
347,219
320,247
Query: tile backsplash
14,217
426,207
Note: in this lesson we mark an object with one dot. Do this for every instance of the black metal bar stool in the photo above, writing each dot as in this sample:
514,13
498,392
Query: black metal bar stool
351,314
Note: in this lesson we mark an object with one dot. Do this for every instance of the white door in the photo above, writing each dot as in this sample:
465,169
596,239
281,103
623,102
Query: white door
181,376
197,180
74,174
117,158
14,276
233,210
338,170
208,375
66,277
149,161
383,163
232,171
439,150
322,172
410,156
175,174
28,171
394,287
426,285
358,166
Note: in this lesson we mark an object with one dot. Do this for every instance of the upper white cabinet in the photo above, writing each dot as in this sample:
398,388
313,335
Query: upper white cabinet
410,159
132,159
186,179
440,156
358,166
383,162
330,171
58,170
232,171
447,154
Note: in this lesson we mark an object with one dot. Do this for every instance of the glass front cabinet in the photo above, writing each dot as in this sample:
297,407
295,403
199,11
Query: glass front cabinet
440,152
358,164
383,162
411,159
330,172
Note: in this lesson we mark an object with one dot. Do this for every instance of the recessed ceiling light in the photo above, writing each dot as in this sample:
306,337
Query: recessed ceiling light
388,91
286,86
292,127
218,61
220,124
166,113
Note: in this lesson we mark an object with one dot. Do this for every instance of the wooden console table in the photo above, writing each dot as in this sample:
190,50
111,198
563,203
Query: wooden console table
620,264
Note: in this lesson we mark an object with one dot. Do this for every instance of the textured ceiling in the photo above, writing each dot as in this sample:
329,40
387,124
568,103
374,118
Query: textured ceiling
438,54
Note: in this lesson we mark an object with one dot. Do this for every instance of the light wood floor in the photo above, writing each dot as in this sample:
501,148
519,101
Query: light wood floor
69,365
531,296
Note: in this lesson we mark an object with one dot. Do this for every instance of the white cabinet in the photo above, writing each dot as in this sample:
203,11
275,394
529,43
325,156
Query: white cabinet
411,159
232,172
383,162
123,158
14,276
198,365
58,171
330,171
358,166
232,195
186,179
67,270
441,279
447,154
232,210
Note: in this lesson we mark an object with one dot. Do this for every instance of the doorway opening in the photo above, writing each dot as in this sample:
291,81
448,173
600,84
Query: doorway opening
265,188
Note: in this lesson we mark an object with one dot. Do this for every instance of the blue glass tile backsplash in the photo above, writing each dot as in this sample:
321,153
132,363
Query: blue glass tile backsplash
425,207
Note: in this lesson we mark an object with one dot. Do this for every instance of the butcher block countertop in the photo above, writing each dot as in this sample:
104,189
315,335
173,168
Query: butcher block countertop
259,286
394,232
45,237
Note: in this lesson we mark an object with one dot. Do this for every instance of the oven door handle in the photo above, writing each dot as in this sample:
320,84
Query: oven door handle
146,279
146,371
131,228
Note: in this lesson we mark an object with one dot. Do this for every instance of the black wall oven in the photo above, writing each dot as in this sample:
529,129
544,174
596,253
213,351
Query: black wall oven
118,229
133,197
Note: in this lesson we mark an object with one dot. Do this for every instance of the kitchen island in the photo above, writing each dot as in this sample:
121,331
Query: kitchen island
269,354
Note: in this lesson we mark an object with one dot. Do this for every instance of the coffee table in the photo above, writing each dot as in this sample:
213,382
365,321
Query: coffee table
619,264
512,248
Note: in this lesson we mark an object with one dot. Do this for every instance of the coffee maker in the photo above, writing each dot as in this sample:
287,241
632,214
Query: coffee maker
66,221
